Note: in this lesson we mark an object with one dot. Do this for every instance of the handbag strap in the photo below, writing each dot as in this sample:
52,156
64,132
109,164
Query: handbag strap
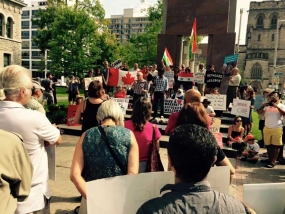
111,150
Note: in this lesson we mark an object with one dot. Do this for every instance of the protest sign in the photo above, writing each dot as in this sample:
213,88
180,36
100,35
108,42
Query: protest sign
123,102
90,79
241,107
170,76
117,63
218,101
172,105
213,79
71,111
51,152
258,101
219,139
231,59
125,194
199,78
215,126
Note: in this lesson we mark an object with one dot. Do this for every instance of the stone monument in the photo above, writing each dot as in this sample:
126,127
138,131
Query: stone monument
215,19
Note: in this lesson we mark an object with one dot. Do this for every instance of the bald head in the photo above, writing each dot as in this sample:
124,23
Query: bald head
192,95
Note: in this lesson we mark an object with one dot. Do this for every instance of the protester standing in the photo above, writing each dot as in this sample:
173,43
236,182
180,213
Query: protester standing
54,82
233,86
140,87
247,121
143,130
34,128
48,92
160,88
33,103
72,90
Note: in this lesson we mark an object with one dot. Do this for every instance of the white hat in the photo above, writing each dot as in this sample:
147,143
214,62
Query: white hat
37,85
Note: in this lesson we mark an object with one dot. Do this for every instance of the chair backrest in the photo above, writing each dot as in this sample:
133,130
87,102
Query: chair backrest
265,198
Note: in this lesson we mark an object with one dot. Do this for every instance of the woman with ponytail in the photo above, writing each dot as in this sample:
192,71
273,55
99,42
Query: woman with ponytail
143,129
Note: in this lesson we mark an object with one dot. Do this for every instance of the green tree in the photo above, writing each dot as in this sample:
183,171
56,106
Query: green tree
76,36
142,47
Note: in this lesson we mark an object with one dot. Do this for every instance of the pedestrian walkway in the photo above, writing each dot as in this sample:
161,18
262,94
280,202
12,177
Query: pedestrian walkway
65,196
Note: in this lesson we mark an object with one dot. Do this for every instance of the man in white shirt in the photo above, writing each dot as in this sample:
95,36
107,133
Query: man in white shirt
34,127
273,112
233,86
209,109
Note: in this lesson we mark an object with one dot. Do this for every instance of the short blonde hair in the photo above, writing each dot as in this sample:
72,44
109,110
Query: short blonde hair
13,78
110,109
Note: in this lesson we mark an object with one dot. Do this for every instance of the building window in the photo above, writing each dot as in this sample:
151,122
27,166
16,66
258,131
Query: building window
259,23
26,14
25,54
25,24
7,59
25,34
34,45
258,38
34,12
256,71
25,44
1,24
34,33
26,64
36,55
273,23
272,37
9,27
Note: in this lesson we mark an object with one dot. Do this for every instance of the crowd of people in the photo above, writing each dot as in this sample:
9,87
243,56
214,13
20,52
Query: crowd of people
110,146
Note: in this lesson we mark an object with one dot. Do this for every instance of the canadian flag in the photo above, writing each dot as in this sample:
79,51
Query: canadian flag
119,77
186,77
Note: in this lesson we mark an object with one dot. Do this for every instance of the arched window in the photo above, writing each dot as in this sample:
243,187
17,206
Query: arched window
9,27
256,71
1,24
259,23
273,23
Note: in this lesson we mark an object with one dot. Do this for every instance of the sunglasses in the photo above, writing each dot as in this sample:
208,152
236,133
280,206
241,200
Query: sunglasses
238,120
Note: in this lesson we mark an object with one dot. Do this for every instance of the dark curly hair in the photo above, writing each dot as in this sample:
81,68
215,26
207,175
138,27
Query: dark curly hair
141,113
193,113
95,89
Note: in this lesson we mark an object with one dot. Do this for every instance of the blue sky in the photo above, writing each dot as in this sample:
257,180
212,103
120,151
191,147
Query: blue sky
116,7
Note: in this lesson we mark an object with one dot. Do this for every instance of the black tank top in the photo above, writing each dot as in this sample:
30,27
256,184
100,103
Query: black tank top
235,133
89,115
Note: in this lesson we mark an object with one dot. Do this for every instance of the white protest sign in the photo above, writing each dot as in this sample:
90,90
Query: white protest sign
241,107
87,81
170,76
125,194
216,124
172,105
219,178
199,78
218,101
51,152
123,102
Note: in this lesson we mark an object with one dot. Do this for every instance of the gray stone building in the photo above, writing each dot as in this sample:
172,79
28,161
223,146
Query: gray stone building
10,32
256,58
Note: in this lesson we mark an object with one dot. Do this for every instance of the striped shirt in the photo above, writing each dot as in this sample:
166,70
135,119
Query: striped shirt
161,84
139,85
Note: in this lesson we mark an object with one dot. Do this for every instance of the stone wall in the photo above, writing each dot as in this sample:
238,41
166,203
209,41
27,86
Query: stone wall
11,9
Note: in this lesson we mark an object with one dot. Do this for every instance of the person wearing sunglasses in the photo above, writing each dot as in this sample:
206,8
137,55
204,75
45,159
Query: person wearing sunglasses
235,134
272,131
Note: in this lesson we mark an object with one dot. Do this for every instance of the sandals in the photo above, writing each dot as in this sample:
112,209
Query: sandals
270,166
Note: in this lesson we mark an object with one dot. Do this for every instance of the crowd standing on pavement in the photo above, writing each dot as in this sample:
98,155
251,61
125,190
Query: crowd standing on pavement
188,129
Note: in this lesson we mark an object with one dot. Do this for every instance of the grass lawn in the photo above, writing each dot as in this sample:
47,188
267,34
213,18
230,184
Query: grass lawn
256,133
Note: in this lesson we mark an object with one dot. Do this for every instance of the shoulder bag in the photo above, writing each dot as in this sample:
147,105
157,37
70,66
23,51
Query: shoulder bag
154,163
112,151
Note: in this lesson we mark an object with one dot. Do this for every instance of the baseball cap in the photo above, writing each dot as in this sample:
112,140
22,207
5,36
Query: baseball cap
248,138
37,85
268,90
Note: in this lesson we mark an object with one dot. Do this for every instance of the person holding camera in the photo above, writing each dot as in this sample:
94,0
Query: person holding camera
273,112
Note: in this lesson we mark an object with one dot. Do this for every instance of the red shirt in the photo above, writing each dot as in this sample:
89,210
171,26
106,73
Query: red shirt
171,125
120,94
143,138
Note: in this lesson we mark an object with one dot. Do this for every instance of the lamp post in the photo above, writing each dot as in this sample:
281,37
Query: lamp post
275,86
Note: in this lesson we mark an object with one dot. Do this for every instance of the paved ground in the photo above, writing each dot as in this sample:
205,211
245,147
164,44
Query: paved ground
65,195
